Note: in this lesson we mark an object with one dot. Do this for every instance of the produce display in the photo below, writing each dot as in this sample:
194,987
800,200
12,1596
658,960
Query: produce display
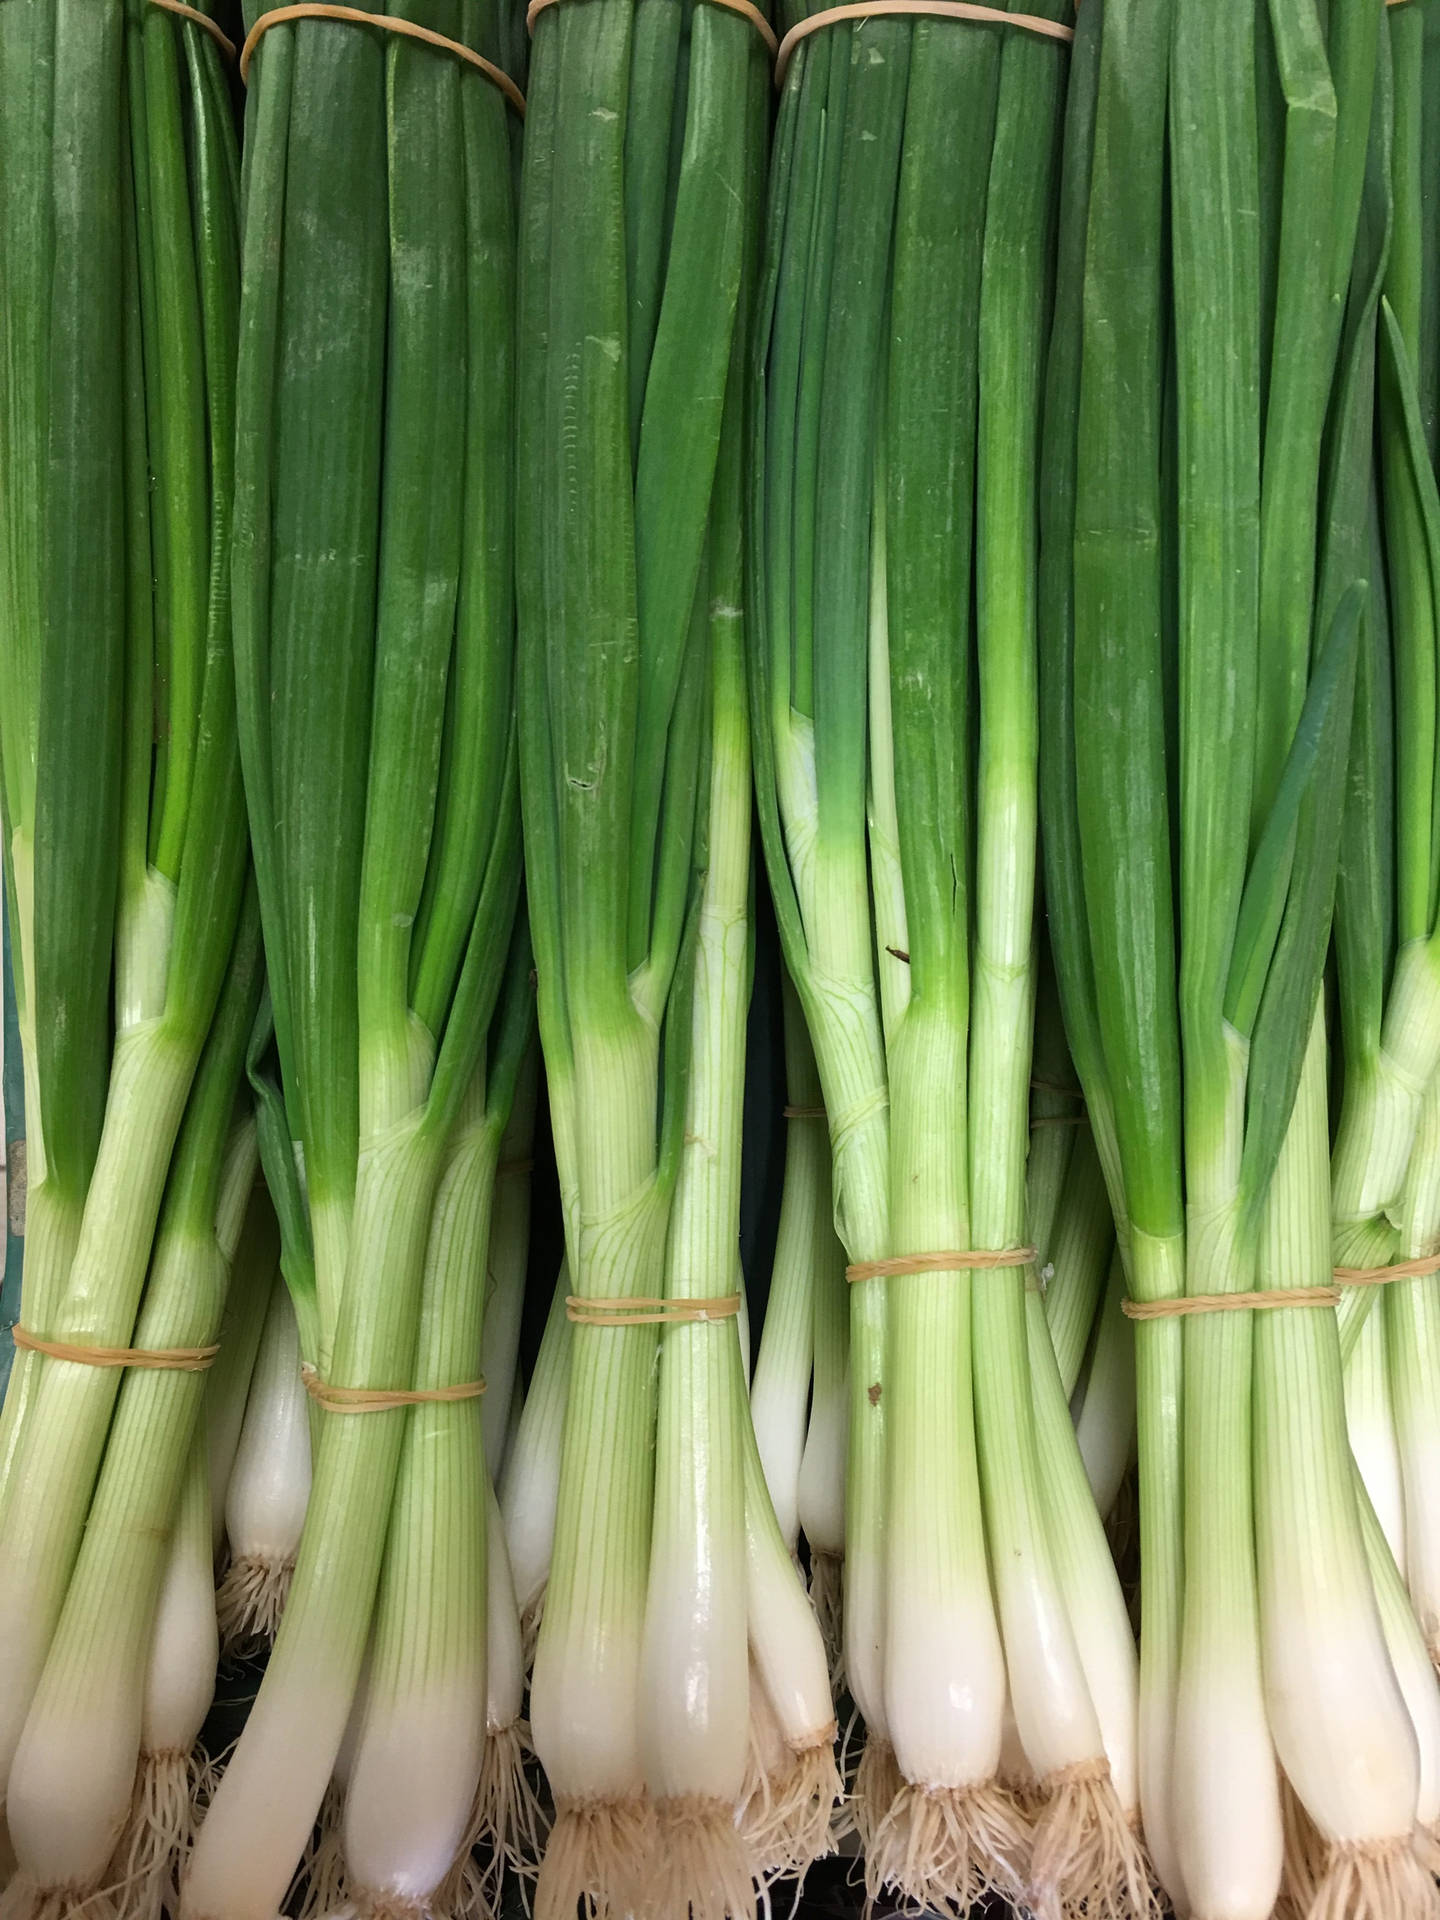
720,806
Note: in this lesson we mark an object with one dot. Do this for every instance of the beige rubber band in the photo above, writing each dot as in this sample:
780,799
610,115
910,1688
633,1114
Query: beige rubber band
1230,1302
803,1113
1057,1087
388,23
194,15
645,1310
381,1399
743,7
977,1261
155,1359
1404,1269
941,9
1059,1120
507,1167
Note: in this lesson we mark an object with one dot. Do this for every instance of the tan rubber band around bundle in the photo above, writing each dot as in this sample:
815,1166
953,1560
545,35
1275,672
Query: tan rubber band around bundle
1057,1087
744,8
804,1113
382,1399
942,9
194,15
514,1166
645,1310
976,1261
388,23
1230,1302
1403,1269
1058,1120
154,1359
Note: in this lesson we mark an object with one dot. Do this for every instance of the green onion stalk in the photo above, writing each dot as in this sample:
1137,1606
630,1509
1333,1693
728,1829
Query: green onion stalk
185,1644
780,1385
1385,1167
723,1590
1211,411
645,134
256,1259
375,670
132,1660
898,477
799,1399
268,1488
529,1487
124,817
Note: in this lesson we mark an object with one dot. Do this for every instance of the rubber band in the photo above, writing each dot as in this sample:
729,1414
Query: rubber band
1059,1120
1402,1270
978,1261
152,1359
203,20
388,23
382,1399
942,9
646,1310
803,1113
744,8
1230,1302
507,1167
1038,1085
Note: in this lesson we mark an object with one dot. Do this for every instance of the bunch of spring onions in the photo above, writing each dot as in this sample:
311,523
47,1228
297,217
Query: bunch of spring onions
136,970
374,650
666,1577
1208,566
1386,1161
900,351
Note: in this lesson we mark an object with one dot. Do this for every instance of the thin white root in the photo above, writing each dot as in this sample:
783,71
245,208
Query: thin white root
249,1603
507,1830
23,1900
320,1880
700,1863
1373,1880
945,1848
600,1854
787,1811
1087,1858
877,1783
827,1596
154,1846
364,1904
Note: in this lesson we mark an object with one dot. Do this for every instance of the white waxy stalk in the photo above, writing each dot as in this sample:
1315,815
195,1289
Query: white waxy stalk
420,1738
821,1489
1105,1426
530,1485
694,1724
1369,1417
253,1251
1093,1597
1342,1730
787,1812
1414,1669
780,1389
269,1487
179,1689
1228,1831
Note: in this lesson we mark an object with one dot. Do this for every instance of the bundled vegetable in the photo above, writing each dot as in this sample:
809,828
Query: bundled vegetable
901,351
374,643
1209,412
124,864
1386,1162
